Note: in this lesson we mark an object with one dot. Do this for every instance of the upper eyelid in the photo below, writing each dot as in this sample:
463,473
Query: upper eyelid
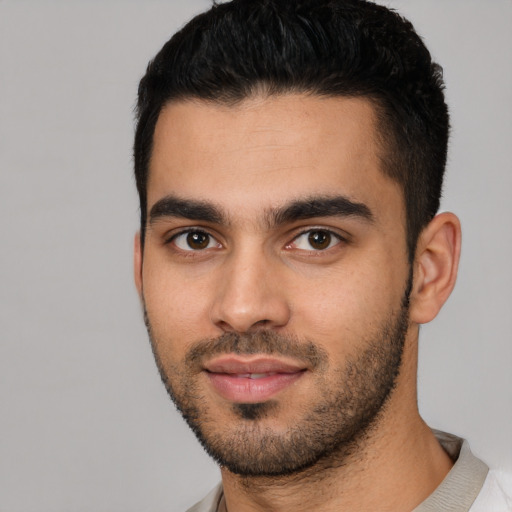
339,239
341,235
169,236
174,246
297,232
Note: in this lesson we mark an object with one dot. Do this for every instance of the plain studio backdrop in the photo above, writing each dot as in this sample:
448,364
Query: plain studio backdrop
85,423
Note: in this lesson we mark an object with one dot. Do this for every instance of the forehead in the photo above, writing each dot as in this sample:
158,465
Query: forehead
267,150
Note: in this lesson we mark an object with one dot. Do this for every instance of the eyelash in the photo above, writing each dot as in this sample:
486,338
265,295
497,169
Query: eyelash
191,231
192,252
331,234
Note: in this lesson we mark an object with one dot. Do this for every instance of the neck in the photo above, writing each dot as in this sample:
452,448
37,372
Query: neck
394,466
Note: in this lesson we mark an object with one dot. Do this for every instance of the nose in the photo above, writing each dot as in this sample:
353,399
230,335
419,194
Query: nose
251,294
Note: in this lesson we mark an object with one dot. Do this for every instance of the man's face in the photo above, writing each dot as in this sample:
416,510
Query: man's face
274,276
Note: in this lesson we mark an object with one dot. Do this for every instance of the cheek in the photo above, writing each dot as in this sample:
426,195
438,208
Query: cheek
178,310
344,308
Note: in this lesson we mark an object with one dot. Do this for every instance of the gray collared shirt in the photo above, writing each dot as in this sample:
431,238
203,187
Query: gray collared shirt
456,493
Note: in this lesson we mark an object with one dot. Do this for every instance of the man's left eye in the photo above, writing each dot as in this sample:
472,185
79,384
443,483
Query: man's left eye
315,240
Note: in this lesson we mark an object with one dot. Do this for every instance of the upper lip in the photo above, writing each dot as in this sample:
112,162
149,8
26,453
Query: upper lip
232,364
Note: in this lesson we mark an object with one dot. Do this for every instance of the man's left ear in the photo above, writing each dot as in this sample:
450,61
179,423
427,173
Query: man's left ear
435,267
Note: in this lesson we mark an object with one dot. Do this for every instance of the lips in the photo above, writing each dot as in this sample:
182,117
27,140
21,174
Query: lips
251,380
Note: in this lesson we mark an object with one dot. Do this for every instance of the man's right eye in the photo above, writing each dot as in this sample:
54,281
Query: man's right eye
194,241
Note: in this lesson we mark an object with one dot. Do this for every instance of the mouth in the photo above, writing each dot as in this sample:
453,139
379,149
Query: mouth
251,380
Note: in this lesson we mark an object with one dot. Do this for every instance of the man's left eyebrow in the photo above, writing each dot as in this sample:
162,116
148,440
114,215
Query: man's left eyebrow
303,209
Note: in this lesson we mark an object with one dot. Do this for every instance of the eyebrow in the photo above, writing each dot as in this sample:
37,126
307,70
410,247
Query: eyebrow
171,206
300,209
308,208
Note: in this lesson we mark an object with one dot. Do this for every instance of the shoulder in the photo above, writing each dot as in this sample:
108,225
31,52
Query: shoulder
210,502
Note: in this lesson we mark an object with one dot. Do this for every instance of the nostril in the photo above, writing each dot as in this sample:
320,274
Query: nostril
227,327
261,323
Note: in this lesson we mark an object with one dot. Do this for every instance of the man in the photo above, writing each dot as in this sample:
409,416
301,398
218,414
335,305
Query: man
289,159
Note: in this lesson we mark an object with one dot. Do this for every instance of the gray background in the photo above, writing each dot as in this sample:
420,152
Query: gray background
85,424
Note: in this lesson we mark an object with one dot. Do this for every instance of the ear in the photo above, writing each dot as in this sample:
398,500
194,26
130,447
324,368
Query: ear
137,262
435,267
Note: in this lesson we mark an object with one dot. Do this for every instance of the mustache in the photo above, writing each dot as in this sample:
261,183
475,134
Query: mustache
258,342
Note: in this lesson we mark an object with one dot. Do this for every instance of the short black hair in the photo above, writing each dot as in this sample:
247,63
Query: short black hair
348,48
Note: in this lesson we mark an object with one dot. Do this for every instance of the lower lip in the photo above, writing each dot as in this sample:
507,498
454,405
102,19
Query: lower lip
246,390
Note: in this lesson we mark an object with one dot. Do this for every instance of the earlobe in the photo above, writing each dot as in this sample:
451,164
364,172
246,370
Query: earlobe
137,262
435,267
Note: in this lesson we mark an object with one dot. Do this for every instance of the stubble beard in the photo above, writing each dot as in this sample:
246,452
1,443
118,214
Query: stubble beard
348,404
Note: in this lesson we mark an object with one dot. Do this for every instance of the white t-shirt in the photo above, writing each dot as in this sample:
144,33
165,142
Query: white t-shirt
468,487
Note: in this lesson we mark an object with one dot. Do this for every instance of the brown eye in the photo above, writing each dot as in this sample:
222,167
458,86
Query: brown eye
198,240
319,239
315,240
194,241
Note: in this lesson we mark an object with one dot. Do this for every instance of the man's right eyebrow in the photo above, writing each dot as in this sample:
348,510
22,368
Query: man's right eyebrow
191,209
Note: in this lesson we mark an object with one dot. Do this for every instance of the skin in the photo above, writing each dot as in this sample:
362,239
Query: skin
254,158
